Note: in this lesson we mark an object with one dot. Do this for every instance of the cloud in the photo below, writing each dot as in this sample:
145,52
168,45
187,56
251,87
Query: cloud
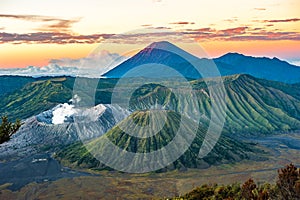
182,23
49,23
199,30
149,35
282,20
295,62
146,25
243,33
257,29
96,63
150,26
231,20
91,66
237,30
28,17
160,28
59,25
51,38
260,9
271,36
55,30
50,70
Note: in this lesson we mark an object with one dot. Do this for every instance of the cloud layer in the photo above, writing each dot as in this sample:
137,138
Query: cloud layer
158,33
92,66
182,23
282,20
54,30
51,38
50,70
48,23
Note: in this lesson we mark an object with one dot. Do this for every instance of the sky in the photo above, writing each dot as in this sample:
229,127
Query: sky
40,33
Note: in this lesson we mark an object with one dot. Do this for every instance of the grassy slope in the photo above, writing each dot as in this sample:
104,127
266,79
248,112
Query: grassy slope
257,107
254,105
44,93
35,97
9,84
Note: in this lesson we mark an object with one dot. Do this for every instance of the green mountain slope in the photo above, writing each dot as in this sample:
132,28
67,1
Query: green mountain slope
257,107
253,105
31,96
36,97
226,150
9,84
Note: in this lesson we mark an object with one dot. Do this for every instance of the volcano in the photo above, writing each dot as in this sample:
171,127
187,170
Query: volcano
226,150
157,54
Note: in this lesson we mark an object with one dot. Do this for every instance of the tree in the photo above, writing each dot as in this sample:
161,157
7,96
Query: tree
288,182
7,129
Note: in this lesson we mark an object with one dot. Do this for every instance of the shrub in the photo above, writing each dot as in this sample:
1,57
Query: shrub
249,190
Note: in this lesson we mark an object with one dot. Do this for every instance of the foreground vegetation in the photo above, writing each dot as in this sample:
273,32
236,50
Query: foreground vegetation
114,185
287,187
7,129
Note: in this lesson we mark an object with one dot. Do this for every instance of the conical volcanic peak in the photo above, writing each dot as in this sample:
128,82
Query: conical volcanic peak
226,150
168,122
167,46
149,62
162,45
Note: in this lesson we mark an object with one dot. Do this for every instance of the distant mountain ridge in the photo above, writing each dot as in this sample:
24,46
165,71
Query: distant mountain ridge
170,55
260,67
8,84
36,97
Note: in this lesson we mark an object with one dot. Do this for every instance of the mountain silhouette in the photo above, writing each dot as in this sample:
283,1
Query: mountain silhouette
158,57
154,56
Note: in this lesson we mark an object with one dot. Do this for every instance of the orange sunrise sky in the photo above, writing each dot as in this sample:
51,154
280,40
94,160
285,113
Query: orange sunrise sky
32,32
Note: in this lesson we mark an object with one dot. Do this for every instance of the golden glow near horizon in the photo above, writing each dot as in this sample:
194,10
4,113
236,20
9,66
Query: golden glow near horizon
33,32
